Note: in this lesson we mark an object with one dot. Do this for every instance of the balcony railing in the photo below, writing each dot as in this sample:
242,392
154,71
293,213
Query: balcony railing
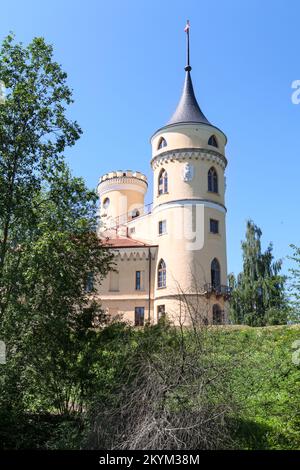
219,290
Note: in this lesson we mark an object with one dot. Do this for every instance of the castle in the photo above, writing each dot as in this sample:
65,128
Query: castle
171,255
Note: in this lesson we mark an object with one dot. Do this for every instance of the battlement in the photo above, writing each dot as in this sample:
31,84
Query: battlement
123,174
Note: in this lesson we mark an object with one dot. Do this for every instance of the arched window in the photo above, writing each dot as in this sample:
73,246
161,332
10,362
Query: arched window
212,180
162,143
163,182
161,274
217,315
135,213
213,141
215,272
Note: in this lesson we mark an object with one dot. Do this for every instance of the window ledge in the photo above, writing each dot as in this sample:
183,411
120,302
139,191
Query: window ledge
163,287
213,192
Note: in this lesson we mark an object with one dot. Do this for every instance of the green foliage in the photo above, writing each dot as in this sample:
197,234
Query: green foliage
48,244
295,284
258,294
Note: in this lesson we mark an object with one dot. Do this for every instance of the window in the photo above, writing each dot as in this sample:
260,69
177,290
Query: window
162,143
135,213
138,280
161,277
213,226
213,141
212,180
139,314
132,230
217,315
89,283
162,227
161,312
163,182
215,273
106,202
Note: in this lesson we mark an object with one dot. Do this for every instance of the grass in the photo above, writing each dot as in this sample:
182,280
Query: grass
267,384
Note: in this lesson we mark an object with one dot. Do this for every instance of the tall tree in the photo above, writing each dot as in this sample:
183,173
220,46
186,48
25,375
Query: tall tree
48,242
258,296
295,283
34,132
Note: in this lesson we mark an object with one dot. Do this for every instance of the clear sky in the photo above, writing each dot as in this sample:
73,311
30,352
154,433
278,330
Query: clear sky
125,60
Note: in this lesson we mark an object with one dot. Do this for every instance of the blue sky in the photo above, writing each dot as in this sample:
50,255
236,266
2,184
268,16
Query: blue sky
125,62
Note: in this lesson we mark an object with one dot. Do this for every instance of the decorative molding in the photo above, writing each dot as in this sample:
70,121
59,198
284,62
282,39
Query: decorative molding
132,254
114,185
188,154
188,202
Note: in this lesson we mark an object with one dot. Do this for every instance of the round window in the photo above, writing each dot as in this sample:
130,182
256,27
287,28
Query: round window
106,202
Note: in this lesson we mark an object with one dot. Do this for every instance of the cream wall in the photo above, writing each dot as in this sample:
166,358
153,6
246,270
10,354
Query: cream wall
126,297
125,191
187,136
197,188
188,247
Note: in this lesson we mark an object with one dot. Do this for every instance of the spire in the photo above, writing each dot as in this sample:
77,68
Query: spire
188,109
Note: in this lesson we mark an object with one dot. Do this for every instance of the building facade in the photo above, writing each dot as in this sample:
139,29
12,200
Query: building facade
171,255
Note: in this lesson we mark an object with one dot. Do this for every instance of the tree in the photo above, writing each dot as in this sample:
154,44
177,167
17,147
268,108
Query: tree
258,295
173,393
48,242
34,132
295,283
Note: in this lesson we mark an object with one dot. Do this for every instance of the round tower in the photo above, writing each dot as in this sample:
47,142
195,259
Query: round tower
121,194
188,162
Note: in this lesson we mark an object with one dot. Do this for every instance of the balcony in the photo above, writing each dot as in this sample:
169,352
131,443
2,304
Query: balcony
218,291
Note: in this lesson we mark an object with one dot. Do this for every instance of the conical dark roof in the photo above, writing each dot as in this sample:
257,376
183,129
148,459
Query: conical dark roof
188,110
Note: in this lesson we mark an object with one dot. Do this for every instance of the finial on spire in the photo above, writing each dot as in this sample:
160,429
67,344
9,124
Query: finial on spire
187,31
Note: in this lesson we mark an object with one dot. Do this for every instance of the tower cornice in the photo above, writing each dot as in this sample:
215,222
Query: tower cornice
188,154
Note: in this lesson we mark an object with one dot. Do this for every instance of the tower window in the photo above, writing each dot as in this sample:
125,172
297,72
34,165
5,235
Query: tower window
138,280
162,143
215,273
161,277
106,202
213,226
163,182
162,227
213,141
212,180
217,315
135,213
139,315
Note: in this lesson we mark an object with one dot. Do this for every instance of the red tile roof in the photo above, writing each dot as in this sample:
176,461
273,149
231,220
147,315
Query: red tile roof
124,242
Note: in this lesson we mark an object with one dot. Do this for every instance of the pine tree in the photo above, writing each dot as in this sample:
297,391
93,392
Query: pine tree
295,283
258,296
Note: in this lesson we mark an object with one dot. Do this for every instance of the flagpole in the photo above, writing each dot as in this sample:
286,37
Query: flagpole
188,67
